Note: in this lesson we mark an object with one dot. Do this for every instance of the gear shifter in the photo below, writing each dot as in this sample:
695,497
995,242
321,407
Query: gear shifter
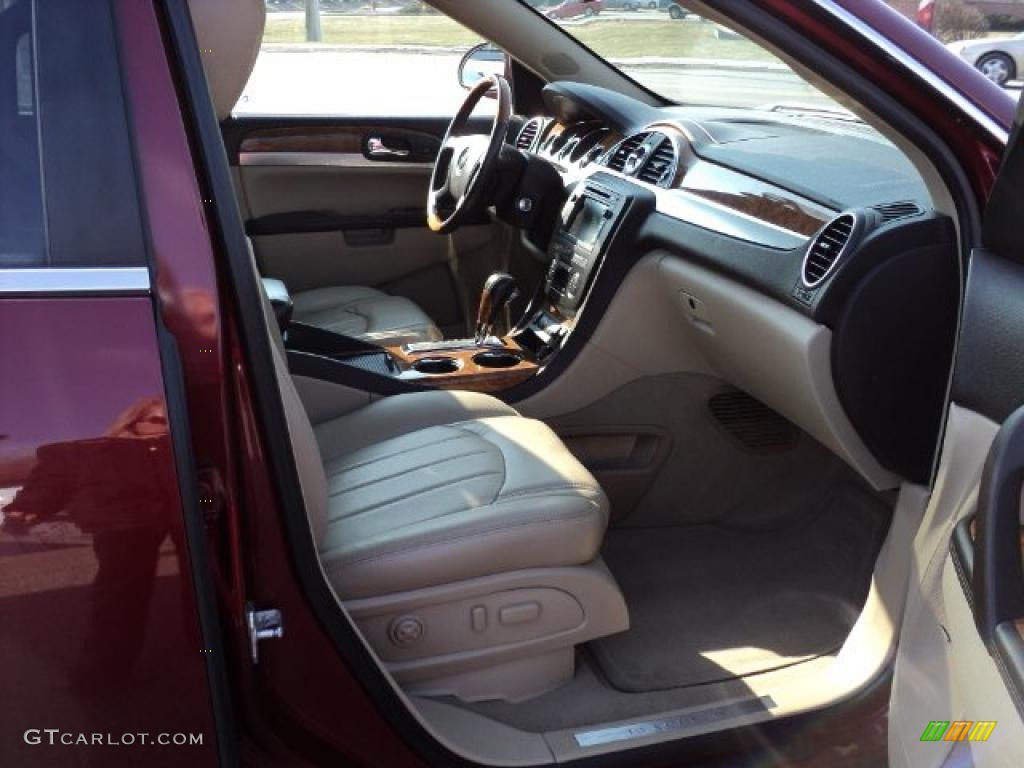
500,289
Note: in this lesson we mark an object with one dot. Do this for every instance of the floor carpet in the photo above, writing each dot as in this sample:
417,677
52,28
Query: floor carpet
710,603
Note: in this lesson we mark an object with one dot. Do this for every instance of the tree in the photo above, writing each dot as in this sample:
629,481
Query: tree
955,20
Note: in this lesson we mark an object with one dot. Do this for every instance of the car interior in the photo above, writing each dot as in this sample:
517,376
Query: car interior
614,418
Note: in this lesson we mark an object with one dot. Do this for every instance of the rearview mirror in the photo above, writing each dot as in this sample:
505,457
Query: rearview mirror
479,62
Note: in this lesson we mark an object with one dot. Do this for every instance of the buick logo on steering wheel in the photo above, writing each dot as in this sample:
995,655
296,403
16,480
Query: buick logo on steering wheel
462,161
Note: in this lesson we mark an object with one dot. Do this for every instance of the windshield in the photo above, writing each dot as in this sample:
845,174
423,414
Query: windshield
681,56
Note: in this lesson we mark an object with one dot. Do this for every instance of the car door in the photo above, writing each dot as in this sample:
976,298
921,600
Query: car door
108,648
332,144
958,689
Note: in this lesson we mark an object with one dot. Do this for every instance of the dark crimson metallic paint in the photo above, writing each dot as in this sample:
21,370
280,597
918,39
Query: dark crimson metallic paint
183,264
96,604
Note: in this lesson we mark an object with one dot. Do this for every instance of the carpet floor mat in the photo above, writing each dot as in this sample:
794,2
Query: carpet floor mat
709,603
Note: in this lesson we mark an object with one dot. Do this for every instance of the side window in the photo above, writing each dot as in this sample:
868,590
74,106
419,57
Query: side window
358,58
21,205
67,188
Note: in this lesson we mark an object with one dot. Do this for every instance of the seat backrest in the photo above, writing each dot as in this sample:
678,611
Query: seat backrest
229,33
305,449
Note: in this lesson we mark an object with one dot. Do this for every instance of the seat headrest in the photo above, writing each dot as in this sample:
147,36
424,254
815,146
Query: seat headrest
229,34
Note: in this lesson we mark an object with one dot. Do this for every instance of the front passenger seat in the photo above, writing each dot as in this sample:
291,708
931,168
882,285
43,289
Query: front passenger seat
462,538
233,29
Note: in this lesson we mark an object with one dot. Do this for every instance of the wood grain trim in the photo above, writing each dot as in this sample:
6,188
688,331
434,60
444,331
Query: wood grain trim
754,198
469,376
330,139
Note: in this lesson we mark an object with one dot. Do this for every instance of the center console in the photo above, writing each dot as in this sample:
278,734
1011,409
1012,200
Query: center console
588,221
588,218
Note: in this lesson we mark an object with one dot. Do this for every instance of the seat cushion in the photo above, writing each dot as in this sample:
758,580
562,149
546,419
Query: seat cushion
365,313
469,489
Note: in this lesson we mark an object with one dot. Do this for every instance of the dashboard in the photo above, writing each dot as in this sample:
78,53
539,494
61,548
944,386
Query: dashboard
815,213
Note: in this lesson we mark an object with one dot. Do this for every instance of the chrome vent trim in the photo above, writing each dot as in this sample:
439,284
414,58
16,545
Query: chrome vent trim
898,210
618,157
661,166
529,133
827,248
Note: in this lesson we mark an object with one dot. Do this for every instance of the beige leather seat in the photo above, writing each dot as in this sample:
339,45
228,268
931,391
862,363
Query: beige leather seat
438,487
461,537
234,30
365,313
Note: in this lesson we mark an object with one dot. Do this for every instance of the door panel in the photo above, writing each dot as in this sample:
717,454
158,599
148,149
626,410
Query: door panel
343,204
100,624
946,672
958,689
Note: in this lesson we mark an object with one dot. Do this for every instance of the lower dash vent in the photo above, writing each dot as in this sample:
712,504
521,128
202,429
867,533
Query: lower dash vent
752,423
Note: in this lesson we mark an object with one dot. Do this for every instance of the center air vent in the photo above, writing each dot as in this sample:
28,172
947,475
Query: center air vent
662,165
827,248
622,153
528,134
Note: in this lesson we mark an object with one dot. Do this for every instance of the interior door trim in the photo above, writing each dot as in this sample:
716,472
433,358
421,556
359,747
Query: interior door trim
302,222
998,591
328,159
987,550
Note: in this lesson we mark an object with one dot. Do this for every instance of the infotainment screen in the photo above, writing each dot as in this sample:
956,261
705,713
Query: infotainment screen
588,220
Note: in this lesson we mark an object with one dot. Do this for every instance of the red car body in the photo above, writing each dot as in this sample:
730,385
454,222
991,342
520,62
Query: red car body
110,630
573,8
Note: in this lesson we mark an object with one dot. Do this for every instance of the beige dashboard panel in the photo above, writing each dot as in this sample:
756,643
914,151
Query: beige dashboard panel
772,352
636,337
672,316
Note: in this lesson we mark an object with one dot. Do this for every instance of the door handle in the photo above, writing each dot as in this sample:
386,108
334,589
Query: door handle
378,149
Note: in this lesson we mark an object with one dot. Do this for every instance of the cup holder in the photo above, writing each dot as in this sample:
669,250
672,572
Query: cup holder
497,358
436,366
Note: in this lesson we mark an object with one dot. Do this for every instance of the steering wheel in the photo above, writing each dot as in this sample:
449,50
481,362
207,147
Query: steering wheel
467,162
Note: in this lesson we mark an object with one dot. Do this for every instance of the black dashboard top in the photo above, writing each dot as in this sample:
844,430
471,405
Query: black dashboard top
829,158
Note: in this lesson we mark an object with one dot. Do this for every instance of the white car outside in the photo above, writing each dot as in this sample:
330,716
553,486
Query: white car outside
1000,59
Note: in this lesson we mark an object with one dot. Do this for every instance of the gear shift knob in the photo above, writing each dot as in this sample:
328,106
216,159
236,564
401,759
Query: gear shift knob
499,290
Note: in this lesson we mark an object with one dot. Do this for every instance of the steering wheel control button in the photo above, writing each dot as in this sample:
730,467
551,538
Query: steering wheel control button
406,631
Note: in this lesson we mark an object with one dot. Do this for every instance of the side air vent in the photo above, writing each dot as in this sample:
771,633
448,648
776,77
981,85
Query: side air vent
528,134
619,156
827,248
752,423
901,210
662,166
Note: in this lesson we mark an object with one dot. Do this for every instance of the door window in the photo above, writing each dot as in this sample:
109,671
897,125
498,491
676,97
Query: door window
397,59
67,187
